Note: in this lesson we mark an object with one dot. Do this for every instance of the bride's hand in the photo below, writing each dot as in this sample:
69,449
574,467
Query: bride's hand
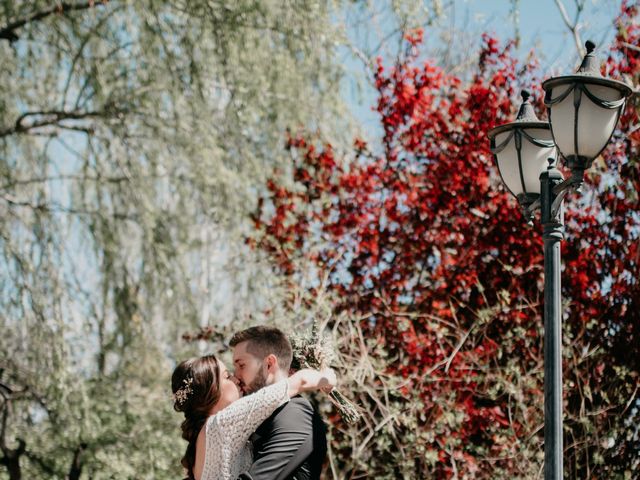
308,379
331,380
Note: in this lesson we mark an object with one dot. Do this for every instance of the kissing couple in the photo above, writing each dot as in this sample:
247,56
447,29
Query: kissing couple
251,424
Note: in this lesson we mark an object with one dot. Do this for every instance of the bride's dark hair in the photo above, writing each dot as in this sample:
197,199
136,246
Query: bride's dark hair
196,389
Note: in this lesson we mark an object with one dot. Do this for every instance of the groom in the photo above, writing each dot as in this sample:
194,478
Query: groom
291,444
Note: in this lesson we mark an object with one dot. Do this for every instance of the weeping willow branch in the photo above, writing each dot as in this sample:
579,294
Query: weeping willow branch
29,121
8,32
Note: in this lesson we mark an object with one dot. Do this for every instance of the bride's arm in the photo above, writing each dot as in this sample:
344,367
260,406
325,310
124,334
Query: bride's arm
240,419
308,379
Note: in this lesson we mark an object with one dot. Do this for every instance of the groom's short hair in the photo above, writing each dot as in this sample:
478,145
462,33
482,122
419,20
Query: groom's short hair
262,341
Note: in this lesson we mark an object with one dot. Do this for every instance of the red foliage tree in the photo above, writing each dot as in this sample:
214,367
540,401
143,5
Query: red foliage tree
425,245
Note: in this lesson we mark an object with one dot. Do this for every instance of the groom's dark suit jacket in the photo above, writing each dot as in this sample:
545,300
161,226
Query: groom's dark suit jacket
290,445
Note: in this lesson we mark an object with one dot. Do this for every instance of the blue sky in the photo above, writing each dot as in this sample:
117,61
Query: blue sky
540,25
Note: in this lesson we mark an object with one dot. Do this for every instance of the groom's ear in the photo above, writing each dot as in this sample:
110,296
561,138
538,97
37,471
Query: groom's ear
272,363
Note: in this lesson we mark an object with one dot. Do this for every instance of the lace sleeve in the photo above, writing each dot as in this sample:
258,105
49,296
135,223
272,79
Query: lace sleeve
240,419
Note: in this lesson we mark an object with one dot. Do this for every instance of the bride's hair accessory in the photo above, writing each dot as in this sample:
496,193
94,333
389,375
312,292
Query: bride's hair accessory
183,392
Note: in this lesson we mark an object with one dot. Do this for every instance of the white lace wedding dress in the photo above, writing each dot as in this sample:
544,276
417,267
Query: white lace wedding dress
228,451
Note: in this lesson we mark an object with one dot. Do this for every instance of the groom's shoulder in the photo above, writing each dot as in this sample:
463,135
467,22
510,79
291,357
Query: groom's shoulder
297,405
297,417
300,402
297,411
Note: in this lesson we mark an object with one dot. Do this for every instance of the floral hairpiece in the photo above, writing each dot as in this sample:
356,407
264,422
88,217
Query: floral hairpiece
183,392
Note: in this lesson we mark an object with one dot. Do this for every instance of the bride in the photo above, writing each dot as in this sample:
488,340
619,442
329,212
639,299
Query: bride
218,422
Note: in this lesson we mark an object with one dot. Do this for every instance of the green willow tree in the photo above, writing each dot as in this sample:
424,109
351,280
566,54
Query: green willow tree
131,135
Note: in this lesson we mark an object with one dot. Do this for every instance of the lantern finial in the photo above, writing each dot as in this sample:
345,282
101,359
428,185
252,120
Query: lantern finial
526,112
590,46
589,65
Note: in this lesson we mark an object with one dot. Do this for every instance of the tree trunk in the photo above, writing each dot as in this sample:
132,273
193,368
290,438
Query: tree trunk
76,464
11,460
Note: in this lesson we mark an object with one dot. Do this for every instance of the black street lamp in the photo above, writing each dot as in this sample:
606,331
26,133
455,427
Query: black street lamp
583,110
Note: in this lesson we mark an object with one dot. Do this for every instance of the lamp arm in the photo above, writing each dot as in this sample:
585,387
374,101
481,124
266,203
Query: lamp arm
561,190
573,183
557,202
529,211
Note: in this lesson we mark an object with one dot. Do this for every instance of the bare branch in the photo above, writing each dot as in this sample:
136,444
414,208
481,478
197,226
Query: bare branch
8,32
573,26
632,47
54,118
56,208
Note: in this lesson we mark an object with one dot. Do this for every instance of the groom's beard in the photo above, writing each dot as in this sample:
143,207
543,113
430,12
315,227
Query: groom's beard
259,382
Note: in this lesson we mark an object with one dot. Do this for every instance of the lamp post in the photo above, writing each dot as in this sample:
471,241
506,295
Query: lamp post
583,110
